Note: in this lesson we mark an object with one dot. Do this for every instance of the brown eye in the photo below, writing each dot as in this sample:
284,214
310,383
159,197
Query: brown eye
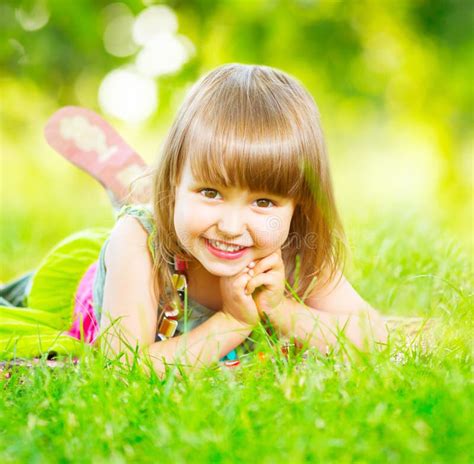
265,200
207,191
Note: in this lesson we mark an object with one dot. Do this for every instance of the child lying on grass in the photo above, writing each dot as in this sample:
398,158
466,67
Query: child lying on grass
239,225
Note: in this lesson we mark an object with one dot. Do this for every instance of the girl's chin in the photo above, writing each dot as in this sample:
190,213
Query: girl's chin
224,269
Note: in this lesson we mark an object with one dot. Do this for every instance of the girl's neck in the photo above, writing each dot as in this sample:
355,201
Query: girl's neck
198,275
203,286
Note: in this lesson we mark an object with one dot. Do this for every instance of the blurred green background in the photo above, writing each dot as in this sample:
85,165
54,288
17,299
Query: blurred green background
392,80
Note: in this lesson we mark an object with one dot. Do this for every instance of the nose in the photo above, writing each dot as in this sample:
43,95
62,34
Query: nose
231,224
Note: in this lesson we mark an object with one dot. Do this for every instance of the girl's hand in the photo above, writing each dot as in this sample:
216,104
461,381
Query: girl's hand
236,302
267,283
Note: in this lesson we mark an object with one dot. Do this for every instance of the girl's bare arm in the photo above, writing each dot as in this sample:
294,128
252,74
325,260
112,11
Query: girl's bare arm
202,346
323,329
337,297
129,313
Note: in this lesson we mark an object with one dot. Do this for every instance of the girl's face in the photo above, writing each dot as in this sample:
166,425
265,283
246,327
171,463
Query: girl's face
255,220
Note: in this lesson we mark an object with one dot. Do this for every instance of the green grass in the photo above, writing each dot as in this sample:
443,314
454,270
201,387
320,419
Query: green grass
377,411
404,404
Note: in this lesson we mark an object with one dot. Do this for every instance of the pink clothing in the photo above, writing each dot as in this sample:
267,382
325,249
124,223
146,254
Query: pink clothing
84,309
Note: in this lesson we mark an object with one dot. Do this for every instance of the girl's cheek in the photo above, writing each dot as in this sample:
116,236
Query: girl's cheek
271,233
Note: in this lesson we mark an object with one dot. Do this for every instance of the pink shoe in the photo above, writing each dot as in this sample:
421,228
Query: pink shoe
89,142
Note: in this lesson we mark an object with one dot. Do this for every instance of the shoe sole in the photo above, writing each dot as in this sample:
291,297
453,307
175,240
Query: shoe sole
93,145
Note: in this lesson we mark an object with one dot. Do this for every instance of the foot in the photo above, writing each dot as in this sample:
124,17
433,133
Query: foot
89,142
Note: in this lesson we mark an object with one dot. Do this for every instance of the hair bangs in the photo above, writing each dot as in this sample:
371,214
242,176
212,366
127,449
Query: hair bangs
246,156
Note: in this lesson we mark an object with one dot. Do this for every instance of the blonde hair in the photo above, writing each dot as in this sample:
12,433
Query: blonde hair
254,127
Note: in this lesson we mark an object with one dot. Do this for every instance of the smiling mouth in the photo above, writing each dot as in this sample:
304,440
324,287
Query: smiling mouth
226,253
225,246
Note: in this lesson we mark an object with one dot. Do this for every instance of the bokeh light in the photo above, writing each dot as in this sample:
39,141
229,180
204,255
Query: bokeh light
154,21
163,51
128,95
118,40
164,54
34,18
393,85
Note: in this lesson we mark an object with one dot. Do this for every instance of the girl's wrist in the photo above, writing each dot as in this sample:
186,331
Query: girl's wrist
273,312
237,323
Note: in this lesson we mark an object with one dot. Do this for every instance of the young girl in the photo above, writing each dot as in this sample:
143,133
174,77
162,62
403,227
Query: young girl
242,203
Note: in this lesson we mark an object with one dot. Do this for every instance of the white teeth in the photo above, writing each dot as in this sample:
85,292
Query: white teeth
222,246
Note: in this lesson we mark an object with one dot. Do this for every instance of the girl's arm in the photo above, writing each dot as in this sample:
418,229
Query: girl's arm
202,346
129,313
322,329
334,308
319,319
337,296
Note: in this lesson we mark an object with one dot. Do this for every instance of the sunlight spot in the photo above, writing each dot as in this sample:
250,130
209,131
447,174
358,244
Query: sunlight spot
34,18
154,21
113,10
117,37
128,95
164,54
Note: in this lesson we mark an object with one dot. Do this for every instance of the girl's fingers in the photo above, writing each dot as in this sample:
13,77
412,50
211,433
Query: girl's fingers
244,278
243,281
248,271
257,281
271,261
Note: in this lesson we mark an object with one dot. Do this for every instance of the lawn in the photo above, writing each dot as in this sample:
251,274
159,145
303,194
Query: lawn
403,404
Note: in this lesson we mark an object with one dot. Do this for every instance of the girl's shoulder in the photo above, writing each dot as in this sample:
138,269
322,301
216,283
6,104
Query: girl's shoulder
142,212
127,241
125,252
129,230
